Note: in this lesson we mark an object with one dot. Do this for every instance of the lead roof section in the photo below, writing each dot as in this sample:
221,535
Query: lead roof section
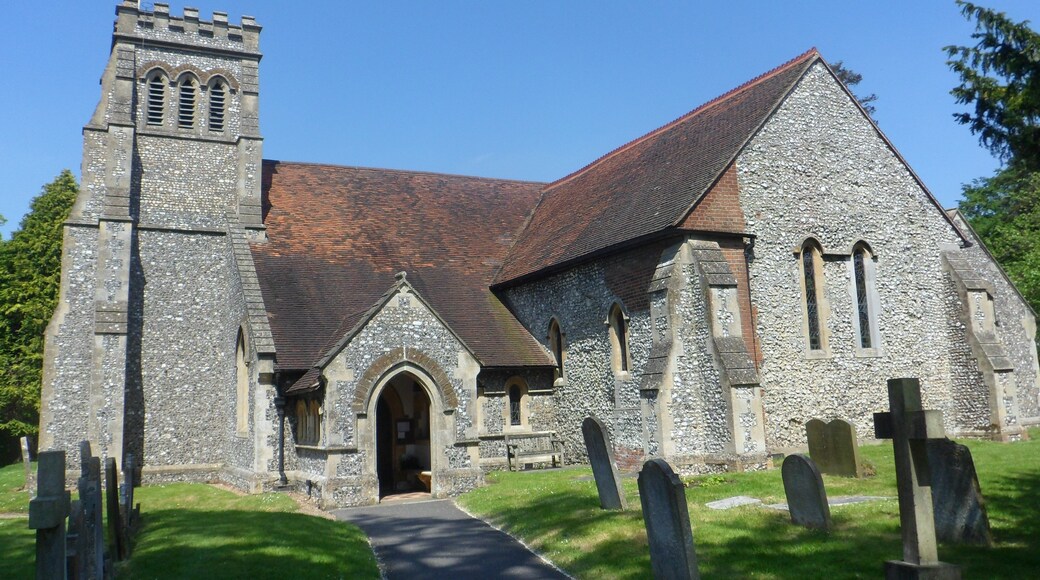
649,185
338,235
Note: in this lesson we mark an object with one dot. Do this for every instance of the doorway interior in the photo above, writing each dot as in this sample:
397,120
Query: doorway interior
403,437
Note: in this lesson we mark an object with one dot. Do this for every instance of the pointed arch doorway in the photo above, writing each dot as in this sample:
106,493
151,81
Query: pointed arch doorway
403,459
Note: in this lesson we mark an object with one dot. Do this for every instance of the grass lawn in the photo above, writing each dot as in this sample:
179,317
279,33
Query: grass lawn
557,512
200,531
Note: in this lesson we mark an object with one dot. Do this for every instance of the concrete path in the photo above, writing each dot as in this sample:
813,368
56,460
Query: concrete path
435,539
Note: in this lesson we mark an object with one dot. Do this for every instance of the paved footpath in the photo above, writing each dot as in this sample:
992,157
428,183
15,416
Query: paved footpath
435,539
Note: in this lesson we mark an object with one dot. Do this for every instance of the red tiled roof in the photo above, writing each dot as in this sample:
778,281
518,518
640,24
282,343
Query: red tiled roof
337,235
650,184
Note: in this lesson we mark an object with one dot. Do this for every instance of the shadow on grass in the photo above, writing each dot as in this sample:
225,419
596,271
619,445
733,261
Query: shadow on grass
1013,505
17,548
244,544
755,542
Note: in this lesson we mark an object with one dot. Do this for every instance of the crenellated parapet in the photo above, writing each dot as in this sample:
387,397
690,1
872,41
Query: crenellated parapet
187,30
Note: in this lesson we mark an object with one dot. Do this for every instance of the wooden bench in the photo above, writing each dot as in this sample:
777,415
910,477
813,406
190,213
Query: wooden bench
543,447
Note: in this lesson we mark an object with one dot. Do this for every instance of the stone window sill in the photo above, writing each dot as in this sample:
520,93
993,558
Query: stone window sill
868,353
818,354
327,449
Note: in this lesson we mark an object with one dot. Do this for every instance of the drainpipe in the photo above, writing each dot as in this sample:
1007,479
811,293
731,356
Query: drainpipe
279,404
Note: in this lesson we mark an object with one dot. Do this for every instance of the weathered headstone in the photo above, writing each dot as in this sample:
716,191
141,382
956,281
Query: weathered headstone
601,457
115,527
74,546
667,520
834,447
127,509
806,496
909,427
47,513
960,510
27,462
91,546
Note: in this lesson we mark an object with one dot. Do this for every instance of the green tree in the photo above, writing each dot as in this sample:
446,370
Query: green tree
30,273
1000,82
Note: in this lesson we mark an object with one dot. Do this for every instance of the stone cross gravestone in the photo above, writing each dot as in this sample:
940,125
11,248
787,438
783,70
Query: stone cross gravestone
667,520
910,427
960,510
604,469
47,513
806,496
834,447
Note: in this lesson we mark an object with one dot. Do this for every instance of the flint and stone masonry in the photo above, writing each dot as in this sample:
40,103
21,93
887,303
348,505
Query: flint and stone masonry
163,345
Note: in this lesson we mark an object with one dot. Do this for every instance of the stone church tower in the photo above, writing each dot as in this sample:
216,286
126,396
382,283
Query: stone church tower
156,275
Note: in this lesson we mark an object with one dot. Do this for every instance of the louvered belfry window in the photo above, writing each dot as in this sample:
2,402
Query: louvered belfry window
861,297
186,104
156,97
812,309
217,98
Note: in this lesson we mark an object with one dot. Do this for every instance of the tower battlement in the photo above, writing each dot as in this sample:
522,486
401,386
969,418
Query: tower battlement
158,25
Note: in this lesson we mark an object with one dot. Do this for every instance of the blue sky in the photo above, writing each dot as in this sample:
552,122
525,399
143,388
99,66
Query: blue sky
525,90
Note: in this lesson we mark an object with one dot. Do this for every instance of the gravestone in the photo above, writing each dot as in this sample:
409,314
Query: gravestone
91,539
834,447
806,496
115,527
47,513
27,462
601,457
910,427
960,510
667,521
129,512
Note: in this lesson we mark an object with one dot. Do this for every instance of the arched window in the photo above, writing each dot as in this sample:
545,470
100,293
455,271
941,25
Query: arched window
811,264
217,101
514,405
556,346
515,410
156,99
618,329
186,96
242,387
863,278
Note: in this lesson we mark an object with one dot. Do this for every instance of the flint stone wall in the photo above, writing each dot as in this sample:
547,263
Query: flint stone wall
580,300
818,168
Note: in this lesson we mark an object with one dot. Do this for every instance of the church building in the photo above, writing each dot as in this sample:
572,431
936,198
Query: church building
704,290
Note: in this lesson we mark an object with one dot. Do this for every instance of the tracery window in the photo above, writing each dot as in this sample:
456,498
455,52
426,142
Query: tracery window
156,99
515,411
618,329
866,298
217,103
514,405
187,94
862,307
811,263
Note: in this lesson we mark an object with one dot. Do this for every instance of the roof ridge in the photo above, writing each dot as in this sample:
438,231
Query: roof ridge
700,109
405,171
